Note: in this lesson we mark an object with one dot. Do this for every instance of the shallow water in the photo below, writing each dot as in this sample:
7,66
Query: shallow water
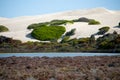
57,54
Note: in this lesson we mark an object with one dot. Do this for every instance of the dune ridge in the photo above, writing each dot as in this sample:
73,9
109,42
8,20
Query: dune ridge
18,26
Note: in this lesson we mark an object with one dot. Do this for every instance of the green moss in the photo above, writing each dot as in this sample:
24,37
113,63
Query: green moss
3,28
93,22
48,32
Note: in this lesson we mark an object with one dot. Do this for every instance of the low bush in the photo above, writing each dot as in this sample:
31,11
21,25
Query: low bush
3,28
60,22
93,22
48,32
65,39
70,33
33,26
118,25
83,40
103,30
51,23
82,19
106,45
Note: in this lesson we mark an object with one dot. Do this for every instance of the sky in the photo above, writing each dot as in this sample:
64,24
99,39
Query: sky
15,8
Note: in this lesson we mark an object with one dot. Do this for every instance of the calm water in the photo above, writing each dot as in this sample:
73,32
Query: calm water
57,54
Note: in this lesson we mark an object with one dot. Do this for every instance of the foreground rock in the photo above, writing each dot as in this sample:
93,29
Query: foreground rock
58,68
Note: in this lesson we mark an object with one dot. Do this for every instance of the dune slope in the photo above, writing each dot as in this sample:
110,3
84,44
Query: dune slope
18,26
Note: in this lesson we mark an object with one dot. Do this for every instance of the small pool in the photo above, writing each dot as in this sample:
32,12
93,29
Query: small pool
56,54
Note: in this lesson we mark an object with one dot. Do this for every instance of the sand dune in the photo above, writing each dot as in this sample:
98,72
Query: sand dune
18,25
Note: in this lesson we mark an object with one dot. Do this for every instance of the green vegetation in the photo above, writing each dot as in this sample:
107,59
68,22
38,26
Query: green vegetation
52,31
3,28
41,33
49,30
93,22
70,33
82,19
48,33
67,35
92,40
103,30
65,39
60,22
118,25
51,23
32,26
106,43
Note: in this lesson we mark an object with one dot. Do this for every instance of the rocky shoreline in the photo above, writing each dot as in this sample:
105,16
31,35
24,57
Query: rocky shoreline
60,68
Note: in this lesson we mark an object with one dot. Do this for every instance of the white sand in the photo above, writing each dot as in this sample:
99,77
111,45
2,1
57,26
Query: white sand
18,26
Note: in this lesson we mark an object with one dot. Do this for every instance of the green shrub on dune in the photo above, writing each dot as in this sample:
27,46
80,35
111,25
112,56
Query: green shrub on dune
32,26
65,39
119,24
82,19
93,22
36,25
3,28
48,33
103,30
60,22
51,23
70,33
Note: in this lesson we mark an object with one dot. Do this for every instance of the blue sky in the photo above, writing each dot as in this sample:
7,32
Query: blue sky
15,8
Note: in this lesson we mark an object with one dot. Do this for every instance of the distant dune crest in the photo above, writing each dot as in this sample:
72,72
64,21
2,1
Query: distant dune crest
18,25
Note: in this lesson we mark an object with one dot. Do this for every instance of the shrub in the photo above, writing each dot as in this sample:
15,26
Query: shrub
108,41
106,45
92,39
119,25
48,32
103,30
65,39
82,19
83,40
33,26
3,28
93,22
70,33
51,23
60,22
